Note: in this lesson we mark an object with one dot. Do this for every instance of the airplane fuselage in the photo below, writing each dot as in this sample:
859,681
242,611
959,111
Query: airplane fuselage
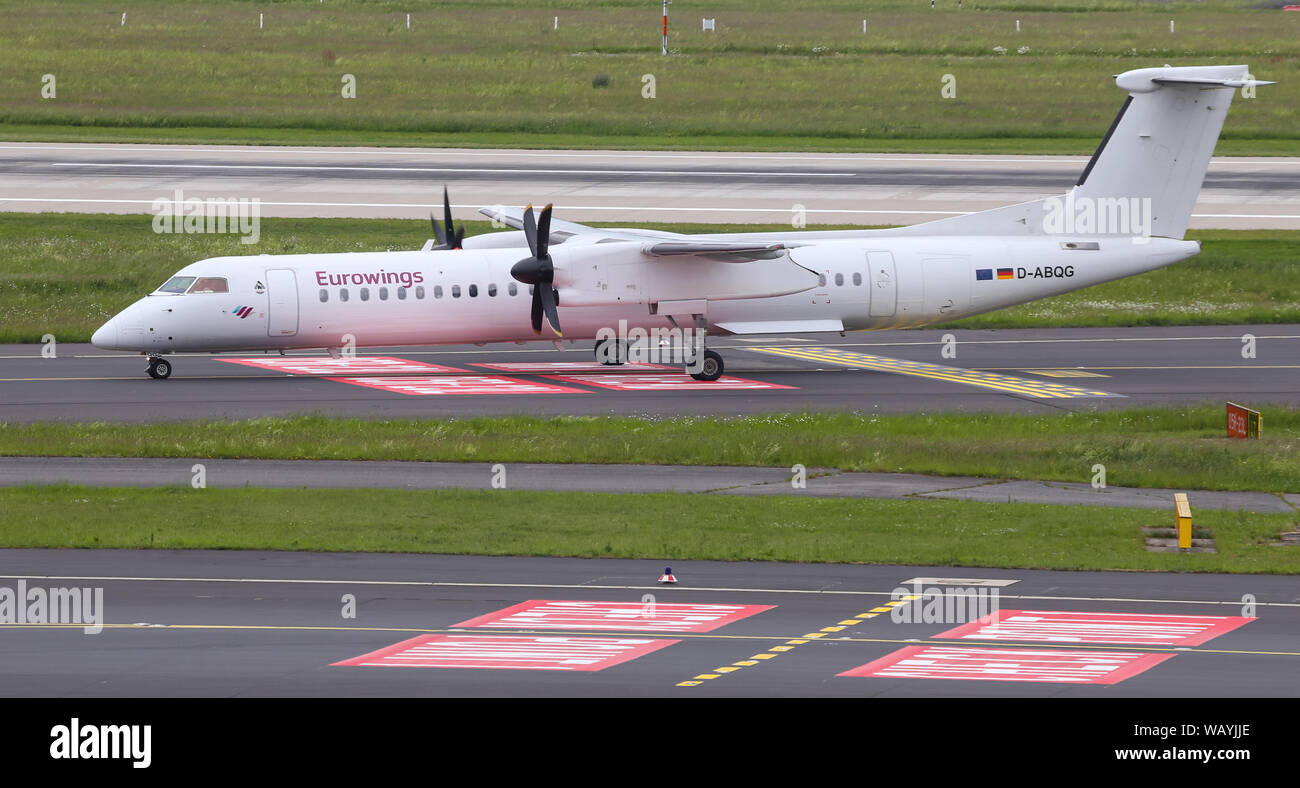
278,302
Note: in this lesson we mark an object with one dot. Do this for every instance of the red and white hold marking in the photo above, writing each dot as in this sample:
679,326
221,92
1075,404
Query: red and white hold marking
1057,626
1009,664
667,381
325,365
539,367
509,652
629,616
458,384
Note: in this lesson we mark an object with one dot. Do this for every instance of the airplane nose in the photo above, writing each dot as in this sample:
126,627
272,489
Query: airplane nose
106,336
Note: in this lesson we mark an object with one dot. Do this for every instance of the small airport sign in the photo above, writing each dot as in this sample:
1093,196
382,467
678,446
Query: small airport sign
1244,422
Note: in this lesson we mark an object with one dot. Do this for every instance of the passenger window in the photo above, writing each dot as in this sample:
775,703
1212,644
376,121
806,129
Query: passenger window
821,279
455,291
365,294
177,284
343,294
437,291
839,280
401,294
383,294
419,292
473,291
324,295
857,279
492,291
512,289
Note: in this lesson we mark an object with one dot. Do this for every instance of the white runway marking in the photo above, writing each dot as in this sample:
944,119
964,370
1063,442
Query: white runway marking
676,209
549,349
457,170
629,154
575,586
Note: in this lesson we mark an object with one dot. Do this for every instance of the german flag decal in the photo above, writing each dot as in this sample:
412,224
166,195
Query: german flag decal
1006,273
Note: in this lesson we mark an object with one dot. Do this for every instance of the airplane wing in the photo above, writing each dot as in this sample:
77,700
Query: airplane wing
661,244
562,230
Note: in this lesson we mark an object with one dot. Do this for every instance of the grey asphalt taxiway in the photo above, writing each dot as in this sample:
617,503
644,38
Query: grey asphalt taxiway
577,477
226,624
1038,370
620,186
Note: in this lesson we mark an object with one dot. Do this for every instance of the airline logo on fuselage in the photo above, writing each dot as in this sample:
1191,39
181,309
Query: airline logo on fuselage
382,277
242,312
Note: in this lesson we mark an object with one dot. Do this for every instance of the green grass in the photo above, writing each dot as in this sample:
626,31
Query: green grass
661,527
808,76
65,274
1156,447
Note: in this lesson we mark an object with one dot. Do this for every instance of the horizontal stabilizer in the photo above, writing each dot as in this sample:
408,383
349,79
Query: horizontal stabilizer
1212,83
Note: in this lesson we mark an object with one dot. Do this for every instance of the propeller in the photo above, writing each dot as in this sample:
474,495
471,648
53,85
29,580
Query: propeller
452,238
538,270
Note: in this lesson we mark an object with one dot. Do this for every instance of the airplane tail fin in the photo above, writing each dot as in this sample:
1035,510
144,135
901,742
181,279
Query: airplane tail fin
1146,174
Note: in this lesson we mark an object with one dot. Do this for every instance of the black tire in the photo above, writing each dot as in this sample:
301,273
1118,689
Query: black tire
611,352
160,369
712,367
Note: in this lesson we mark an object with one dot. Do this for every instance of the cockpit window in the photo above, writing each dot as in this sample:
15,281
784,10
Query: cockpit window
177,284
210,284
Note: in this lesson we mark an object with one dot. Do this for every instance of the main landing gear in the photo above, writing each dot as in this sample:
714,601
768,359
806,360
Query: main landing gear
159,368
710,368
613,352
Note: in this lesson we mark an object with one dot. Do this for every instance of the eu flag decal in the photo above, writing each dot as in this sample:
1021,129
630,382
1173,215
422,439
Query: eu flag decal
983,273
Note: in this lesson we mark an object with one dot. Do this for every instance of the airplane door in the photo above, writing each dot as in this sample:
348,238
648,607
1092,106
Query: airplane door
884,285
947,285
282,307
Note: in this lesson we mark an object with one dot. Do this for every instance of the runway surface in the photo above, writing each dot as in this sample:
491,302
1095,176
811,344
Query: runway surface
222,624
1011,370
621,186
730,480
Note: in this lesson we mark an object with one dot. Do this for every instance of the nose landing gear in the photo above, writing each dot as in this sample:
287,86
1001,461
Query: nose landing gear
159,368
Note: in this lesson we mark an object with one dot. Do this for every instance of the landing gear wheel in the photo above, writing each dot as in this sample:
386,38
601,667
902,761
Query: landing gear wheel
160,368
711,369
611,352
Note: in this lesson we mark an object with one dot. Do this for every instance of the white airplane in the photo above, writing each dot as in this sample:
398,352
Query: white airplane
1126,215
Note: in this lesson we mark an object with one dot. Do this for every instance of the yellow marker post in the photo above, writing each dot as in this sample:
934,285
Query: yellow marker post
1183,520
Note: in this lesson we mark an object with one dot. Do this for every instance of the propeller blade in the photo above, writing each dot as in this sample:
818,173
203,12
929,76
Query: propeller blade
530,230
537,309
548,304
544,232
454,234
446,212
437,231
